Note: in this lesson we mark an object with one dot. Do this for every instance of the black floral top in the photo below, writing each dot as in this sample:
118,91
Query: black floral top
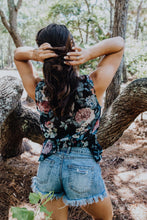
78,129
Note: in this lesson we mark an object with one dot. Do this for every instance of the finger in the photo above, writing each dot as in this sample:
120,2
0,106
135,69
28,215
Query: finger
49,55
45,46
77,48
73,53
72,63
48,52
73,58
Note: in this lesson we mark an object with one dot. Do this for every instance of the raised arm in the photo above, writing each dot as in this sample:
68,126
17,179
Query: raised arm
112,52
22,59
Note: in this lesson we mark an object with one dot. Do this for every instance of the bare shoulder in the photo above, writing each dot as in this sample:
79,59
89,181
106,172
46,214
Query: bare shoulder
105,72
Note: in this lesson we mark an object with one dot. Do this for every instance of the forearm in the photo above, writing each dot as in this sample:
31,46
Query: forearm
105,47
24,53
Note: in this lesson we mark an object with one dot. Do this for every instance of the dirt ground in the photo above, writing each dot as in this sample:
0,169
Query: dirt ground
123,169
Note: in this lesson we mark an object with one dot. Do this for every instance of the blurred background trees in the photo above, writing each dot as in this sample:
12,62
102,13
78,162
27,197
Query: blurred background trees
90,21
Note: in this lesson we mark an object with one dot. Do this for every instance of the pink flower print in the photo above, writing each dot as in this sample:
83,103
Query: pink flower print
43,106
47,147
93,91
96,125
84,114
47,124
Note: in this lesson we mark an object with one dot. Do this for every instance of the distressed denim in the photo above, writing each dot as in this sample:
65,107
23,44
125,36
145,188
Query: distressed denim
73,174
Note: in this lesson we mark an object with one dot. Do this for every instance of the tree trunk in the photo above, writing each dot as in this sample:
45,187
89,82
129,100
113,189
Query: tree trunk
80,31
2,58
11,26
10,93
9,53
137,20
111,16
119,29
87,24
124,71
21,122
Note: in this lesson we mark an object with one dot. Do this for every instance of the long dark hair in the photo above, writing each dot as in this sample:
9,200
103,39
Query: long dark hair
61,80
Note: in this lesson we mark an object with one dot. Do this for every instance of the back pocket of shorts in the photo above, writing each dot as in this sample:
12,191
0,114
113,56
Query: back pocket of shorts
80,178
44,170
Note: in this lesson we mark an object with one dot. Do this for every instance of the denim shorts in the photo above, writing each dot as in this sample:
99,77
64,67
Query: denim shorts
71,173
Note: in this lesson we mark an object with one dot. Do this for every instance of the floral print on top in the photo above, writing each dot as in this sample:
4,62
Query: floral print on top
78,129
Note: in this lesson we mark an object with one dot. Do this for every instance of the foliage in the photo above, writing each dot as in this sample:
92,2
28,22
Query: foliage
136,58
34,198
131,22
89,22
22,213
80,17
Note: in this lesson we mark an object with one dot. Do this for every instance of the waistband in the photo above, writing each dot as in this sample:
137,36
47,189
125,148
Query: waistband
78,150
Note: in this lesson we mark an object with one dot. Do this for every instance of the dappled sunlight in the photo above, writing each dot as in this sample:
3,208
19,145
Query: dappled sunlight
139,189
32,150
131,160
140,177
30,157
125,193
123,169
131,147
126,176
138,210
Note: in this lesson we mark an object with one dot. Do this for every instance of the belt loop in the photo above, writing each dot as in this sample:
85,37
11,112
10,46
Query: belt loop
58,149
68,150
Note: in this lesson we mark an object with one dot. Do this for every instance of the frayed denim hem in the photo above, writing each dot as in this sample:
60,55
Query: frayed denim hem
35,189
85,201
68,202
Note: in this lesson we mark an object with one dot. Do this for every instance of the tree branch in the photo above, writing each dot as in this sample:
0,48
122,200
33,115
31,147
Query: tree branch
112,5
123,111
19,3
88,7
4,20
23,122
10,93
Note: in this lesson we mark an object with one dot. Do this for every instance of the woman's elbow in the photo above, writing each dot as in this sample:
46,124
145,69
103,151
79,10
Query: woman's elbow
16,54
121,42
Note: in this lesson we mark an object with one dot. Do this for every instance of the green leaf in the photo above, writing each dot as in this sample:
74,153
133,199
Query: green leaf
22,213
34,198
47,218
44,209
48,197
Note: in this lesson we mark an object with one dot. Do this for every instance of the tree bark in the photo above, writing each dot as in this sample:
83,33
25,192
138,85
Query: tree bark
11,26
124,71
2,59
22,122
127,106
10,93
119,29
111,15
87,24
137,20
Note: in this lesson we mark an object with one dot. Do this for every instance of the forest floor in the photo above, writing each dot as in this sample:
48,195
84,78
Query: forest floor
123,169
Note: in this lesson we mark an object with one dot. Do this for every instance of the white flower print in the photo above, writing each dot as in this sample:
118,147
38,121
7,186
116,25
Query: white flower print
91,101
86,113
47,147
